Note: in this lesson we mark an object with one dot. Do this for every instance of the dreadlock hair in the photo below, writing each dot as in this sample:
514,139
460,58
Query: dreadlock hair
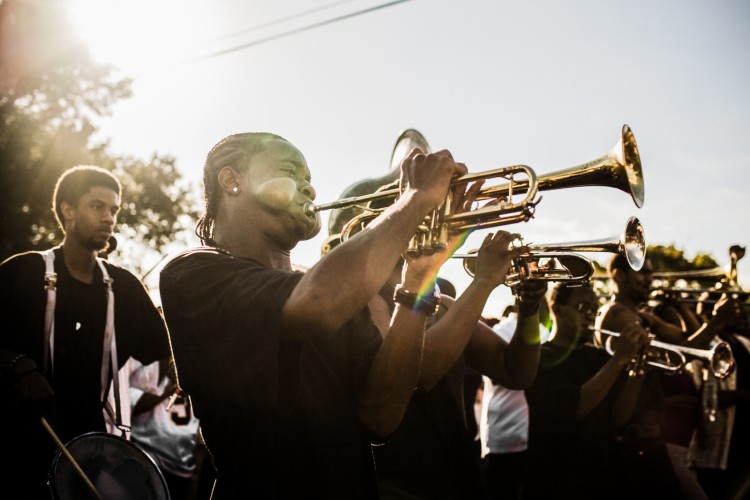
233,151
75,182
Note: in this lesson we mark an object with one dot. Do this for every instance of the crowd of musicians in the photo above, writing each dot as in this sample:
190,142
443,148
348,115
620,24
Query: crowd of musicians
366,375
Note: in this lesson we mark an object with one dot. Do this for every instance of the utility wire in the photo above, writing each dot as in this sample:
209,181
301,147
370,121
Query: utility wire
275,21
295,31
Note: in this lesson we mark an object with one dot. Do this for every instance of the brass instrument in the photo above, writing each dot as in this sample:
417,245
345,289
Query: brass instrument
562,262
619,168
433,232
339,217
719,357
724,282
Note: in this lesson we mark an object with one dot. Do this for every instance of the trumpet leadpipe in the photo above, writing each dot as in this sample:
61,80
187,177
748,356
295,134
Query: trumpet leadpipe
504,172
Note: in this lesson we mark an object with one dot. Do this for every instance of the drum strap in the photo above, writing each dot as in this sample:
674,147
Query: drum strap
109,351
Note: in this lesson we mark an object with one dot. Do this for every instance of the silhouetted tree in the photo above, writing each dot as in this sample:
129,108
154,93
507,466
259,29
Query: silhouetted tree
669,258
51,95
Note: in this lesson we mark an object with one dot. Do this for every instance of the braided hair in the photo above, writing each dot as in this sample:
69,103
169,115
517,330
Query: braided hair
233,151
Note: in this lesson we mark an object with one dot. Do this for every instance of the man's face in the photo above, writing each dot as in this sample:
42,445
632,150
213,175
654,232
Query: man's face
579,314
638,283
280,181
90,222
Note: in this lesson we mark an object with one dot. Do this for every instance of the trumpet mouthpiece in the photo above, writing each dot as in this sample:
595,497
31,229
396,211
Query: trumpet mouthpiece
310,209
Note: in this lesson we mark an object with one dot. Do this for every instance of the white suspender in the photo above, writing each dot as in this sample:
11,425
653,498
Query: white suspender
109,351
50,279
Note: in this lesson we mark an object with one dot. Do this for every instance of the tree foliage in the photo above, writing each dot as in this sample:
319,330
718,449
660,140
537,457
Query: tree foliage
51,95
671,259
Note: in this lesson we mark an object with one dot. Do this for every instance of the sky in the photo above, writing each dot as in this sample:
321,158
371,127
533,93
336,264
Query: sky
541,83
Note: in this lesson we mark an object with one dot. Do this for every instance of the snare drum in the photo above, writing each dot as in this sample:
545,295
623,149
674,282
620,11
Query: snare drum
118,469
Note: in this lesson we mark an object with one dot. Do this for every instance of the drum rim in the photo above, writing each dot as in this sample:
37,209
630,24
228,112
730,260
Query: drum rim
144,453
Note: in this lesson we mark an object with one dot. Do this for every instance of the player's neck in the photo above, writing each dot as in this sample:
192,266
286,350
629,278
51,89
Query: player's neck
627,302
80,261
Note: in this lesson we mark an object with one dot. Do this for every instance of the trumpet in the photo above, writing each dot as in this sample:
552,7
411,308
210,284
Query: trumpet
564,265
670,282
432,234
719,357
515,198
619,168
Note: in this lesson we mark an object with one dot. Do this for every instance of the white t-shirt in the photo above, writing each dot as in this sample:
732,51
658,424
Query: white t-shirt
504,425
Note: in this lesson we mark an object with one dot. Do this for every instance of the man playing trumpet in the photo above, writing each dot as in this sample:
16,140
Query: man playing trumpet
644,454
288,374
431,454
579,399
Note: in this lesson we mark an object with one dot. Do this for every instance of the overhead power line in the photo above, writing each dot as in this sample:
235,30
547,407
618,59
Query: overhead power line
274,22
295,31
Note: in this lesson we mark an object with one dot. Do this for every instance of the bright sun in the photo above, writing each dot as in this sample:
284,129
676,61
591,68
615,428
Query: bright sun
137,34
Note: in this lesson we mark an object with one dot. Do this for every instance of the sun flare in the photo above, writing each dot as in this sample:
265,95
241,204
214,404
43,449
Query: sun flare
135,35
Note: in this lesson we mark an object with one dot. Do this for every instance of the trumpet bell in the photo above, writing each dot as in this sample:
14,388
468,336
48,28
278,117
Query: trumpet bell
722,360
620,168
634,243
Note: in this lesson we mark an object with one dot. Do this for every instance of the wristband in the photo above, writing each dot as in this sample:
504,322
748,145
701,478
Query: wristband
19,376
14,361
526,312
427,304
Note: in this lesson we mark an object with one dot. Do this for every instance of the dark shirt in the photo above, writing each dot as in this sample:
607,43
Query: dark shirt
279,412
432,454
569,458
739,449
80,315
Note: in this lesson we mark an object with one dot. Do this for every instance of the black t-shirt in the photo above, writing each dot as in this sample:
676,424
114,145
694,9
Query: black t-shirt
431,454
80,316
279,413
739,452
569,458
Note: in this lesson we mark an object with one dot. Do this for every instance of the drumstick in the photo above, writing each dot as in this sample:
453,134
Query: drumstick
70,457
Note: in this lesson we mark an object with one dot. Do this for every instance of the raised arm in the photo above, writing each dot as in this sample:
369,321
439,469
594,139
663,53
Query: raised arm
343,282
459,330
514,365
394,373
700,337
633,338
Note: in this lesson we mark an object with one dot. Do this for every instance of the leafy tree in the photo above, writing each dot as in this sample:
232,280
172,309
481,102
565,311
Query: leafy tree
670,259
51,95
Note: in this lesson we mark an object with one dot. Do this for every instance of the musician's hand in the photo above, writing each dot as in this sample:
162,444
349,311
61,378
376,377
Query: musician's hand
34,393
428,264
728,313
496,256
430,174
633,338
528,295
